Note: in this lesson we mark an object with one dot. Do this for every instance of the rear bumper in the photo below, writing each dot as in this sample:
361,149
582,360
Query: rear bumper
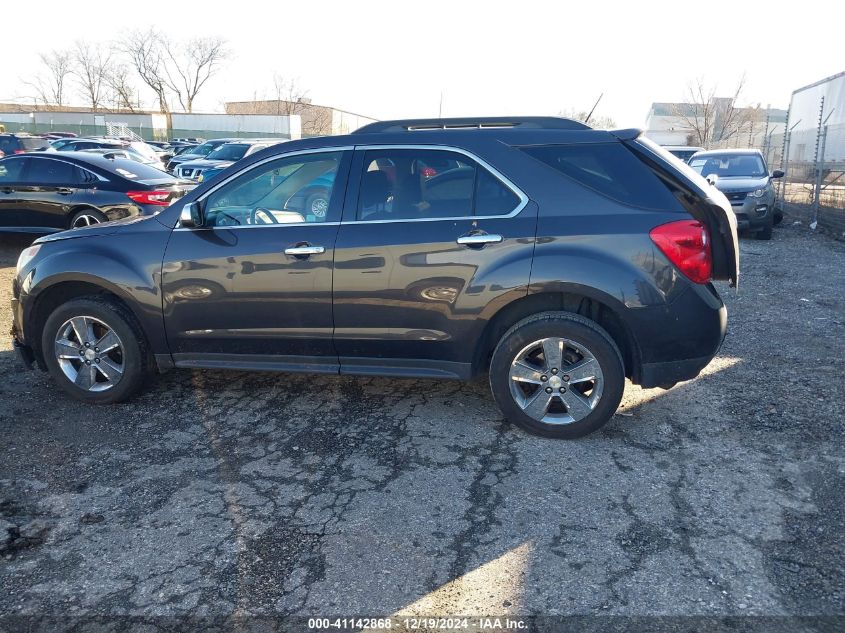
670,372
678,340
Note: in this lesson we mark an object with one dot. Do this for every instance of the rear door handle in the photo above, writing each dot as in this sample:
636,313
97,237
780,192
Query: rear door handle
479,239
65,191
305,250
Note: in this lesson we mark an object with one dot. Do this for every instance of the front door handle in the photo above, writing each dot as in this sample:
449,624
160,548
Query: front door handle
305,250
6,190
65,191
479,239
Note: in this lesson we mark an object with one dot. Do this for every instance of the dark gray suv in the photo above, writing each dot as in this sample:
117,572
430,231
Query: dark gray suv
557,258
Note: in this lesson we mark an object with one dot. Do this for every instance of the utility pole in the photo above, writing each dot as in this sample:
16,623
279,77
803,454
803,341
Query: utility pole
440,109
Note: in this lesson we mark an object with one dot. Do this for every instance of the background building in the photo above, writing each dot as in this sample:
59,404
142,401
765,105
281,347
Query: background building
317,120
718,123
147,125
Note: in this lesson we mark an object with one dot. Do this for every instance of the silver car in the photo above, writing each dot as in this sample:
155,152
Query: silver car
744,178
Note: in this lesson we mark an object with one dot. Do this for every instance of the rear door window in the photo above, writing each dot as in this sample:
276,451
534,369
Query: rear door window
608,168
44,171
419,184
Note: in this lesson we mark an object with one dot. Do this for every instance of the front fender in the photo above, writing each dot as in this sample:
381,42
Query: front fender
122,264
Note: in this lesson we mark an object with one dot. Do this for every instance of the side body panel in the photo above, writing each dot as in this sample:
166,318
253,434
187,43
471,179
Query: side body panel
126,262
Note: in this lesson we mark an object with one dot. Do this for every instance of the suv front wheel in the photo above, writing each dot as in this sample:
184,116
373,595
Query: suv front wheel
557,374
94,350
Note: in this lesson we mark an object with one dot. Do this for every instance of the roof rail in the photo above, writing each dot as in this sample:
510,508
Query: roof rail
478,123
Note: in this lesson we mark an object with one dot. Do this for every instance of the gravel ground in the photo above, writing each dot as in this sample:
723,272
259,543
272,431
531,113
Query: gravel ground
221,492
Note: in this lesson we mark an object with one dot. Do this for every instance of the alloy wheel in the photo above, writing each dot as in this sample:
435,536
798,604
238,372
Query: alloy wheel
556,381
89,353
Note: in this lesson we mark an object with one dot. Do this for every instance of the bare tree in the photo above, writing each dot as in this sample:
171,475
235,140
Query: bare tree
50,86
711,119
123,93
145,52
599,122
90,65
191,64
292,99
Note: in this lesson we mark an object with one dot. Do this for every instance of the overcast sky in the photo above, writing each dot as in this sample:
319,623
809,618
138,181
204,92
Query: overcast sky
392,59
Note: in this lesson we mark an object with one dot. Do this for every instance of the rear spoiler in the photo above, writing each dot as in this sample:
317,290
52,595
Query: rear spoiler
627,134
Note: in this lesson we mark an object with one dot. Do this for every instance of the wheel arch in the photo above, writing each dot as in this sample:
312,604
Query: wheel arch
56,294
589,303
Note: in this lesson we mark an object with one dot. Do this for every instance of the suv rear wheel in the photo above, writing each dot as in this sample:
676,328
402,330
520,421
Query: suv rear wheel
94,350
557,374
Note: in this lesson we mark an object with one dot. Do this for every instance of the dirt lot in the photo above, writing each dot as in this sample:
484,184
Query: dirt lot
220,492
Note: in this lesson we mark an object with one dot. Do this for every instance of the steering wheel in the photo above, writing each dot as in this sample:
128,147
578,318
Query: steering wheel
264,212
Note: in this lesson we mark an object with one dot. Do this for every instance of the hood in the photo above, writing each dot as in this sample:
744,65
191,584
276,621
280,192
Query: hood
181,158
205,164
744,183
106,228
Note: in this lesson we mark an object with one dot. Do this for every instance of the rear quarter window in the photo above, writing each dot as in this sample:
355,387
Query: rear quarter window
608,168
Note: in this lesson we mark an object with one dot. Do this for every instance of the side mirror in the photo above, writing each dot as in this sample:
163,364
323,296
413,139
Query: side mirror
191,216
778,173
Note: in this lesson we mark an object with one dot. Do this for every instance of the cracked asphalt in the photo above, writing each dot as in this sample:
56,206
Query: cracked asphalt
220,493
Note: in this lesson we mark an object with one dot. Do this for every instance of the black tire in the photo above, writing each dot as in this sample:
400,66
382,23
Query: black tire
778,216
766,232
133,349
92,214
579,330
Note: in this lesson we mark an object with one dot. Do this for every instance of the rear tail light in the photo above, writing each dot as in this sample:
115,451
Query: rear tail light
158,198
687,245
20,151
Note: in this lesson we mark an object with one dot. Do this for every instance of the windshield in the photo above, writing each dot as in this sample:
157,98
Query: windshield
729,165
204,149
229,151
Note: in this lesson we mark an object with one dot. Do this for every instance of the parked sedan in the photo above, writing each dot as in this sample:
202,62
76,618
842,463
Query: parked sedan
140,151
46,193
